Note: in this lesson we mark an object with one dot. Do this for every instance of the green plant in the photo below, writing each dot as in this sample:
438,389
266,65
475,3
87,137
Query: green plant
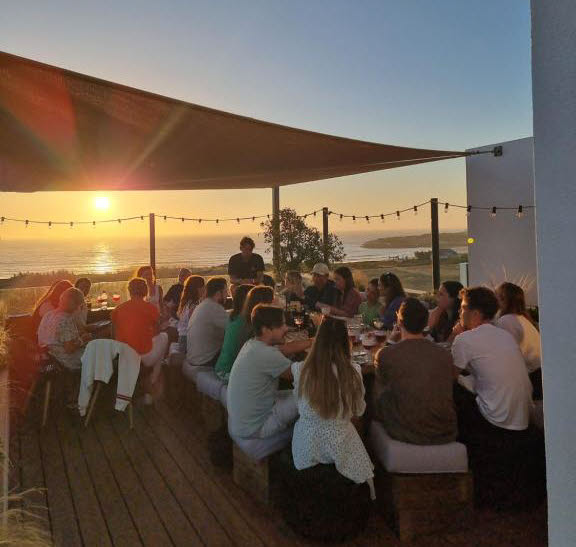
300,244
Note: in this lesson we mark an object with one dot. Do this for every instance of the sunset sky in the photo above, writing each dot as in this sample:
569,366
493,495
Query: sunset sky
446,75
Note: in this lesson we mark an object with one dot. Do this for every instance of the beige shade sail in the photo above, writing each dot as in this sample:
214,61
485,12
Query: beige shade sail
60,130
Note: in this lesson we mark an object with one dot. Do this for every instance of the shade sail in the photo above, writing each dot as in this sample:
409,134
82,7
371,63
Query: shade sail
60,130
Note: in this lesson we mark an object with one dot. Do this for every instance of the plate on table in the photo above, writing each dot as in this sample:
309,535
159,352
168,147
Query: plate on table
98,325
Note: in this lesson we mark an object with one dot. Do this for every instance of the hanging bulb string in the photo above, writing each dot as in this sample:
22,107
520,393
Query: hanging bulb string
519,209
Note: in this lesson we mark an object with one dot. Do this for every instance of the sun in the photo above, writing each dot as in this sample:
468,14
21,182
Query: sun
102,203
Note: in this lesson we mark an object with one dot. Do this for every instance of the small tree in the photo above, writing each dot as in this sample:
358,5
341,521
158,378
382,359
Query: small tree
300,244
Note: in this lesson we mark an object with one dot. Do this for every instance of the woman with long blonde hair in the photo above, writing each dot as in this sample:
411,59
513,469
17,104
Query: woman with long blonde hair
330,393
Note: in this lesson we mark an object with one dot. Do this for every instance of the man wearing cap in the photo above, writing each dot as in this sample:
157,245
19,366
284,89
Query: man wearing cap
323,290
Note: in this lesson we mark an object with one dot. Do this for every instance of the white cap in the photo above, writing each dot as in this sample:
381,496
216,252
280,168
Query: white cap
320,269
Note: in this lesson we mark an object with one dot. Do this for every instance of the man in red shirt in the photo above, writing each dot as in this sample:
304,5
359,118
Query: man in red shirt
136,324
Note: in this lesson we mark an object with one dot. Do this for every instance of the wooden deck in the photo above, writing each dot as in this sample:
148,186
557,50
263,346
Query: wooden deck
155,485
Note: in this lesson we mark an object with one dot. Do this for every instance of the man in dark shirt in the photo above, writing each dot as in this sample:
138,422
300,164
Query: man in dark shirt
246,267
323,291
414,380
172,297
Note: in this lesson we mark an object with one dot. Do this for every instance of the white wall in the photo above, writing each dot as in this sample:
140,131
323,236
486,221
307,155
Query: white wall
504,247
554,99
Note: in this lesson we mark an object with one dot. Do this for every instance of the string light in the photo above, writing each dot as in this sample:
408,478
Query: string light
519,212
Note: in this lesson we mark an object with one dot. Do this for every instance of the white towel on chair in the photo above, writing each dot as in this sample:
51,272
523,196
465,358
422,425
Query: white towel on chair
97,364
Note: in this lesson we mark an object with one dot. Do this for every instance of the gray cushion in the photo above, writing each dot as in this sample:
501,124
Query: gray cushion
259,449
208,383
399,457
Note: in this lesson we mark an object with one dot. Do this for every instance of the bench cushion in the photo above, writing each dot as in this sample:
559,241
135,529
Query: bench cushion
258,449
191,372
224,395
208,383
398,457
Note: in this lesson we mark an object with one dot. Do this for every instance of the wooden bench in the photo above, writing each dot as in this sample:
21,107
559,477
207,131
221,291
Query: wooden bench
422,489
417,505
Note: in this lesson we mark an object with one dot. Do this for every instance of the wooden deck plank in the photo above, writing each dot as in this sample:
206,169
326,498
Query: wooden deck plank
65,531
191,520
91,520
120,524
203,508
32,476
261,519
218,501
146,519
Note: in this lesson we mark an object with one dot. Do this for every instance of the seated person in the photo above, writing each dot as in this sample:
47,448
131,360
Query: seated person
190,297
174,294
206,327
515,319
370,309
446,314
330,392
59,332
83,284
135,322
293,289
48,302
246,267
503,392
414,382
347,299
256,408
154,290
393,292
239,330
322,291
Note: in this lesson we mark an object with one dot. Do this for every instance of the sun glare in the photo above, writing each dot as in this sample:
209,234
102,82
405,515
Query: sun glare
102,203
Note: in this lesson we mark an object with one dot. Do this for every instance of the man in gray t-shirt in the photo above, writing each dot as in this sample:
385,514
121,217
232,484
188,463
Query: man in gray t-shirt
207,326
256,409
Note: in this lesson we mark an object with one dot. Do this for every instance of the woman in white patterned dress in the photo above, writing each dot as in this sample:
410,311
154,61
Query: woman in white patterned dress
330,392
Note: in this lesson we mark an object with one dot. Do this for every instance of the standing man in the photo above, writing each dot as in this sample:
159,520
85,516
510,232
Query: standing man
246,267
323,290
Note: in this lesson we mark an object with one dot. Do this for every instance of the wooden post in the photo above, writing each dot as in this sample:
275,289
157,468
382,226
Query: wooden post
325,215
153,241
276,229
435,244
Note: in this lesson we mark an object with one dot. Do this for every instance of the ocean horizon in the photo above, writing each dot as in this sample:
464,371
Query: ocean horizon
105,255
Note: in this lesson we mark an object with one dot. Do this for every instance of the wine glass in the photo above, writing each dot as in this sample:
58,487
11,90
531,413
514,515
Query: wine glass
116,298
298,321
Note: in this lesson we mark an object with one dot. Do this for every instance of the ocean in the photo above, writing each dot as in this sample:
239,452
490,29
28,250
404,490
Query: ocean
109,255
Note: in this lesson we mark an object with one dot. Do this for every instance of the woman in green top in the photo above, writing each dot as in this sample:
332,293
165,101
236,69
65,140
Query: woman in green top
239,329
370,309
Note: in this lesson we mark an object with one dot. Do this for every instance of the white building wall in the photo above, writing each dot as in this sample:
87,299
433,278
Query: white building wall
504,247
554,99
